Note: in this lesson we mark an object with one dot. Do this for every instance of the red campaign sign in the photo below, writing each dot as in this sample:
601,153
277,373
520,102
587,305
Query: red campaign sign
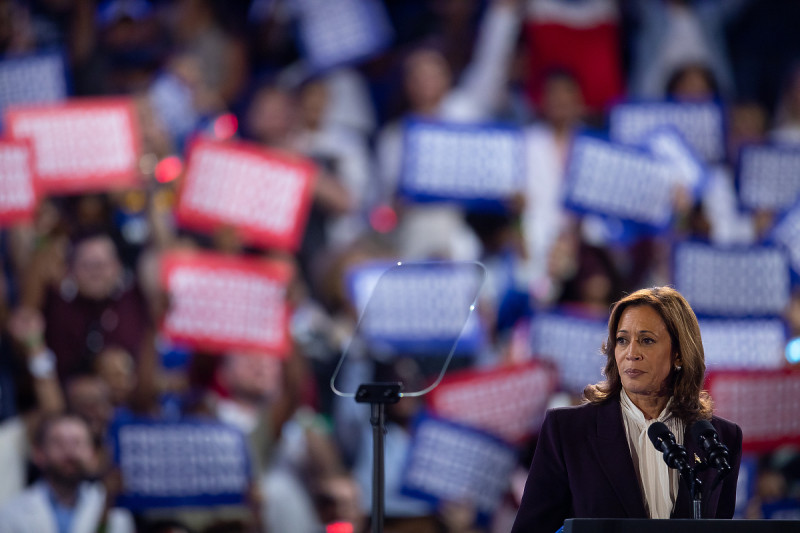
265,195
765,404
82,145
18,193
220,303
508,401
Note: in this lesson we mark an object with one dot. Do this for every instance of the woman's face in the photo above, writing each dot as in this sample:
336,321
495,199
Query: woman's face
643,351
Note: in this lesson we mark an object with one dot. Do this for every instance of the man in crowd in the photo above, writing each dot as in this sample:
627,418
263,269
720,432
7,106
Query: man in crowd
64,500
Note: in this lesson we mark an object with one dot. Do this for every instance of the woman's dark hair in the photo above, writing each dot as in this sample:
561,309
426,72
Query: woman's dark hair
689,402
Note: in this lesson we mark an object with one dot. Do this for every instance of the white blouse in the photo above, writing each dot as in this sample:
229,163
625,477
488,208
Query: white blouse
658,482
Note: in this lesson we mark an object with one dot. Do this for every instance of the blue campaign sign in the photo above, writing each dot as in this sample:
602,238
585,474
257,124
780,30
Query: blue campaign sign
687,169
478,166
417,309
180,464
343,32
786,233
450,462
573,344
732,281
768,177
619,181
702,124
32,79
735,344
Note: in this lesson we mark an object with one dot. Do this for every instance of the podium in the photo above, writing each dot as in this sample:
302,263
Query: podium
635,525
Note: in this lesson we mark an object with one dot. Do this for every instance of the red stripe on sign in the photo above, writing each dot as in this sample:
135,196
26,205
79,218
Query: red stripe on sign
508,401
764,403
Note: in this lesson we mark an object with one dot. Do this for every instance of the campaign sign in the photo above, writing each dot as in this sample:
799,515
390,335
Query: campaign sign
686,168
479,166
264,194
508,401
740,344
450,462
769,177
618,181
180,464
18,194
80,145
732,282
701,124
764,403
418,308
32,79
342,32
573,344
173,103
786,233
220,303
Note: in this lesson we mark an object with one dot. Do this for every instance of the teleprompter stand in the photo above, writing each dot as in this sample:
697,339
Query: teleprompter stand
378,395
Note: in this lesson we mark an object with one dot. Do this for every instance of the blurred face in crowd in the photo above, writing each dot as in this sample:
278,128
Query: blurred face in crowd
252,377
66,454
643,352
313,103
96,268
271,116
427,80
562,101
692,83
89,397
115,367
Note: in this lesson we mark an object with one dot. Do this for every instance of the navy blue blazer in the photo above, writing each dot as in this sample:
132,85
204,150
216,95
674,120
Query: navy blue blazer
582,468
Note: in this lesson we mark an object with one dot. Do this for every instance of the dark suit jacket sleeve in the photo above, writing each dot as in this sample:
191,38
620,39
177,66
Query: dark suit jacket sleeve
546,501
730,434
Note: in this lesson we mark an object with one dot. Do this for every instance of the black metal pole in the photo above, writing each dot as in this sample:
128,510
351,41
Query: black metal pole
378,395
696,491
378,421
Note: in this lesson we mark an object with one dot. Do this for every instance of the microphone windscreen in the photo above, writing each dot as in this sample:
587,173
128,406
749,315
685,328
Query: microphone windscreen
702,429
658,432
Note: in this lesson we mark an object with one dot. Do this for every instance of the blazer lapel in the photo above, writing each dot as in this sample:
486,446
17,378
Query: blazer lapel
615,459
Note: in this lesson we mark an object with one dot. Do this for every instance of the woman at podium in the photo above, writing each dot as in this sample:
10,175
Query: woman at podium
597,460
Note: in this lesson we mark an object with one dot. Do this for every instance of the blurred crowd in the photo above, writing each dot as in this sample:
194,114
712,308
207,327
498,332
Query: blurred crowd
80,296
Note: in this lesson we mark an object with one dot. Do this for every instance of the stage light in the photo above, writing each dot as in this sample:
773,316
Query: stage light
168,169
793,351
383,219
225,126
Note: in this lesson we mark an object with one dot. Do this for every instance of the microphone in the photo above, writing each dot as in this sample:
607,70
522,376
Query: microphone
706,436
675,455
